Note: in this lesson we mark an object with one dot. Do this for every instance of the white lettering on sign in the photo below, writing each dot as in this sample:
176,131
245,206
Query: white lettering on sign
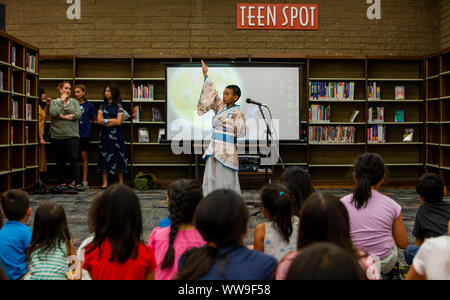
74,11
272,16
374,11
250,16
285,16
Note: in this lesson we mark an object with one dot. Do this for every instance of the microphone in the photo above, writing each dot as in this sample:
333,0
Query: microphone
250,101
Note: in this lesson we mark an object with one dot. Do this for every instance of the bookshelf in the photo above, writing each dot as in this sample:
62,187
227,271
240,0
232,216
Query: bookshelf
19,77
437,76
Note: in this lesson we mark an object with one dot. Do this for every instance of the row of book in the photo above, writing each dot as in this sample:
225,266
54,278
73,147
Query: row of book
319,113
26,135
31,62
144,135
376,115
322,90
144,92
332,134
374,92
15,110
376,134
156,114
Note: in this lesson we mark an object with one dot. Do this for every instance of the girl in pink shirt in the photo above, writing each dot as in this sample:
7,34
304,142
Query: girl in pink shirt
171,242
324,218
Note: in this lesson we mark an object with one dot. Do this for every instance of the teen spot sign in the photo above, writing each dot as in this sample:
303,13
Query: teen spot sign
278,16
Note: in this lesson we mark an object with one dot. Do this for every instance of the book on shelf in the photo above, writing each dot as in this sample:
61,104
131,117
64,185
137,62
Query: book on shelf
332,134
408,135
29,111
157,114
353,116
319,113
376,114
26,134
400,92
143,135
143,92
1,81
14,109
399,116
374,91
31,62
161,134
13,55
322,90
376,134
136,114
28,85
12,136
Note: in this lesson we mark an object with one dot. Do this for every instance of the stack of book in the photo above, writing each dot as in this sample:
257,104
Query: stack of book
374,91
321,90
31,62
143,92
376,134
332,134
319,113
14,109
13,56
376,114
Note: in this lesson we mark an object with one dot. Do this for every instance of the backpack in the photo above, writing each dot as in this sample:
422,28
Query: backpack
144,181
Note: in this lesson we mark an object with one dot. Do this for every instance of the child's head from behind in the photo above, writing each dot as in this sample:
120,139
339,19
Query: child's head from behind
231,94
369,171
324,218
16,205
324,261
49,227
431,188
299,184
221,218
117,217
277,206
184,196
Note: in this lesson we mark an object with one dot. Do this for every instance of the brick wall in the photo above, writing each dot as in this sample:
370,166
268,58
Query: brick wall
183,27
444,27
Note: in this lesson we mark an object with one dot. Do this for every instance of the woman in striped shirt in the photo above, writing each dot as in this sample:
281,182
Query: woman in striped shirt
51,244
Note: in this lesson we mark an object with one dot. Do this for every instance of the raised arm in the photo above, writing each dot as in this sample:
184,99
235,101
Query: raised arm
209,98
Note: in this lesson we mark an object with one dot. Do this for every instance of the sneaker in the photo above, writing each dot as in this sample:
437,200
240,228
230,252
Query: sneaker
85,185
71,185
79,188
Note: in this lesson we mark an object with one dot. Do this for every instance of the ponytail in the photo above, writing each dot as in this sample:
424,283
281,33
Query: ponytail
369,170
278,203
196,263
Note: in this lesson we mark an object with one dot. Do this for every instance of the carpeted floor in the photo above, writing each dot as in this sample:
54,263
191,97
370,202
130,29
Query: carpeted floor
154,208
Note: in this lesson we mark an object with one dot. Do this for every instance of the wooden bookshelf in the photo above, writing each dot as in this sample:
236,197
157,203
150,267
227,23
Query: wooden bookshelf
19,118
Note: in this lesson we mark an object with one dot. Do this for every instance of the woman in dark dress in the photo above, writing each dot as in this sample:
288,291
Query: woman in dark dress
112,157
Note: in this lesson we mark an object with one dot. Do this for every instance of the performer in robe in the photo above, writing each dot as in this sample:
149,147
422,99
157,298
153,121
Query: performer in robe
222,164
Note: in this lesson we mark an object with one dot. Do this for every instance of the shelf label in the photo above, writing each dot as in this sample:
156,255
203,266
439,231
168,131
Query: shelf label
278,16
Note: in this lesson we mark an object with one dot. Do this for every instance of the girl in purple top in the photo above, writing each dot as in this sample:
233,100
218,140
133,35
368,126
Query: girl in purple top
171,242
376,223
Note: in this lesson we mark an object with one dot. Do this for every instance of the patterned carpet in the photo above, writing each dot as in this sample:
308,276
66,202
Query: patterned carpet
154,208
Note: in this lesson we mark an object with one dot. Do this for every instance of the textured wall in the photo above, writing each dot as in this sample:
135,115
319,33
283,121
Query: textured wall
183,27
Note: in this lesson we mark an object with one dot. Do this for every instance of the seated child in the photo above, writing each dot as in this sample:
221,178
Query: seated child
117,251
171,242
279,236
222,219
298,182
51,244
15,236
432,216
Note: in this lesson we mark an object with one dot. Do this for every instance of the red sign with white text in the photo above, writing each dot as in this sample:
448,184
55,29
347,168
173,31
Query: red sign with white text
278,16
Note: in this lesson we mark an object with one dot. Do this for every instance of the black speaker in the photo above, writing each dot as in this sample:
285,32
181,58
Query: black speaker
2,17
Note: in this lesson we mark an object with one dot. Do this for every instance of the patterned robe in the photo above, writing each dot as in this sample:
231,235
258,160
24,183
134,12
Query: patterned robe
228,125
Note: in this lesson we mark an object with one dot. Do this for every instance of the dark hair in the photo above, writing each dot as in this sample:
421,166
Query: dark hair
118,218
221,218
324,218
41,92
236,90
184,196
49,228
431,188
115,93
93,213
299,184
277,201
15,204
369,169
3,275
324,261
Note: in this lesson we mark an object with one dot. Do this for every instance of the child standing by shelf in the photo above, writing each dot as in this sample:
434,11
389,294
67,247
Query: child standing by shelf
87,117
222,166
40,187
